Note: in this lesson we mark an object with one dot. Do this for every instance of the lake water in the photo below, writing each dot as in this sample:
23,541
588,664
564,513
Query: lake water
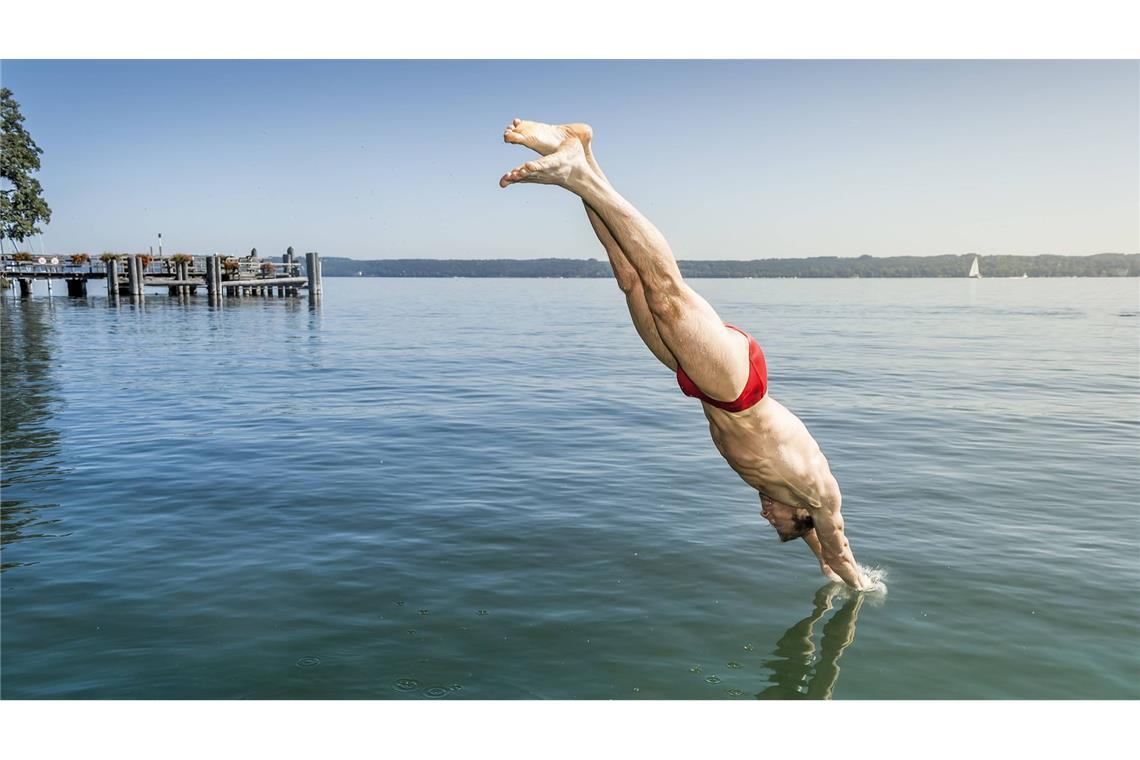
488,489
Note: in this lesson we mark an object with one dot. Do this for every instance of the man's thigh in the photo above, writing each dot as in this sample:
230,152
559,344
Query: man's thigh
714,357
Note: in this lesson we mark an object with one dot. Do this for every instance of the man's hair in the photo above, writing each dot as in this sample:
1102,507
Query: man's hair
801,524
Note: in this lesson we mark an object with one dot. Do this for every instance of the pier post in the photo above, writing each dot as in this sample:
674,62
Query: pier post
288,259
77,288
25,287
313,265
140,274
211,286
133,275
113,278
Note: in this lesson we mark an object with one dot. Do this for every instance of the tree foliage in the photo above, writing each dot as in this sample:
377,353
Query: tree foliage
22,207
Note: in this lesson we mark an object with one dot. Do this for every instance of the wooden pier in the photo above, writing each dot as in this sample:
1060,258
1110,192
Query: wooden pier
182,275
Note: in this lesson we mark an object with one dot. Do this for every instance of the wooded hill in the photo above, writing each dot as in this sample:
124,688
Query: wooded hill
1098,265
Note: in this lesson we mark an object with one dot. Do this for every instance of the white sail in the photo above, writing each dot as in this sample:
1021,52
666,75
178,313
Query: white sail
975,271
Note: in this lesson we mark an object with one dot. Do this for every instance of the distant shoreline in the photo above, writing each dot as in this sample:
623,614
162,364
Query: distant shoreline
829,267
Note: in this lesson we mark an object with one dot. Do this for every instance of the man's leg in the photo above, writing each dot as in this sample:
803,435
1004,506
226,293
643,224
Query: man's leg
545,139
714,357
630,284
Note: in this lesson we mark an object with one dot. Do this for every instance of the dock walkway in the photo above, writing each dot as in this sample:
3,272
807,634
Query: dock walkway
182,275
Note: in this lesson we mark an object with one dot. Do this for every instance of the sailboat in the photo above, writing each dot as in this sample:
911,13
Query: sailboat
975,272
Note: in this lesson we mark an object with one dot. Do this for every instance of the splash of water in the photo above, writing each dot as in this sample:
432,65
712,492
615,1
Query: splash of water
877,592
878,578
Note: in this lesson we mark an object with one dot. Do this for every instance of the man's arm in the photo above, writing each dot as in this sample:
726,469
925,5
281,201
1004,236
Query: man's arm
835,551
813,543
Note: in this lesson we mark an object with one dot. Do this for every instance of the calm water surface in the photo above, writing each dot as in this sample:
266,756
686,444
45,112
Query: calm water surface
488,489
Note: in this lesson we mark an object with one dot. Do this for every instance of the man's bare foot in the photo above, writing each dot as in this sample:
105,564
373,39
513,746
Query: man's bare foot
560,167
545,139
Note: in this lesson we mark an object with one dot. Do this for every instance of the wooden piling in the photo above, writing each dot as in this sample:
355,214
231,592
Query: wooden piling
113,278
25,287
212,288
133,275
140,272
288,260
77,288
313,267
217,259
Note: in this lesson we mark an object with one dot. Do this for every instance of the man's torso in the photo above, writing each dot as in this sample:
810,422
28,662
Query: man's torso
772,450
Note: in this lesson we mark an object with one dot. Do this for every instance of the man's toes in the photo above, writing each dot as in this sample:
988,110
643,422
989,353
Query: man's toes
518,174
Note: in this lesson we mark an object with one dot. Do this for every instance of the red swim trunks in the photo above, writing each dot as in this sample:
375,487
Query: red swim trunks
754,389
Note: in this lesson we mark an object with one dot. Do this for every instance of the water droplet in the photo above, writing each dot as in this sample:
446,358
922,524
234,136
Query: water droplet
456,687
407,684
748,647
713,679
735,665
735,692
308,662
399,604
695,669
411,631
481,612
636,690
423,612
435,692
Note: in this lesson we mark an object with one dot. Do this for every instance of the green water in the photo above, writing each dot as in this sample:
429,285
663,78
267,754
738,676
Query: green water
488,489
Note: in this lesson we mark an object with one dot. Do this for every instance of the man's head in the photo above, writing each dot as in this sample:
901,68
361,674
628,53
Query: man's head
790,522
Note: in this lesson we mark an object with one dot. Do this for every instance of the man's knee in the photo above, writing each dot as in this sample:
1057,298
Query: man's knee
666,300
627,280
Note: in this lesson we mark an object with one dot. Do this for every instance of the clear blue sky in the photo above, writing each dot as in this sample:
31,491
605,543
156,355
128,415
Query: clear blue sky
758,159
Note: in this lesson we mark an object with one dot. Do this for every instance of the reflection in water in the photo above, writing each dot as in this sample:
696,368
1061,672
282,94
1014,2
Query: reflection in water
794,658
30,445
